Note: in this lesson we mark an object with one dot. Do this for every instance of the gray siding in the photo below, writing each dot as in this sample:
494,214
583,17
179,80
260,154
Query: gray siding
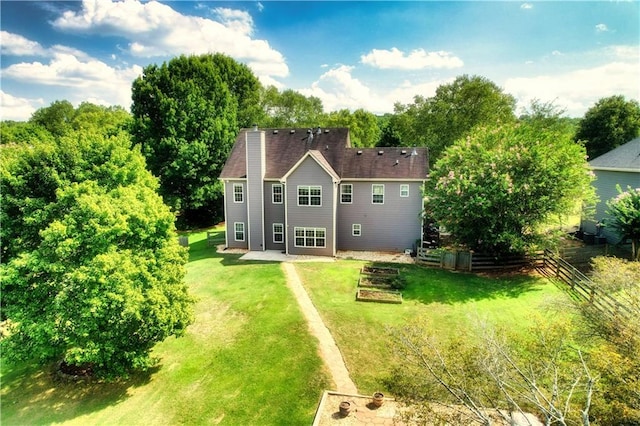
605,190
235,212
273,213
310,173
255,197
392,226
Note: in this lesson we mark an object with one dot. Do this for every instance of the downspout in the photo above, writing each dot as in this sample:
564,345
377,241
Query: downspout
286,218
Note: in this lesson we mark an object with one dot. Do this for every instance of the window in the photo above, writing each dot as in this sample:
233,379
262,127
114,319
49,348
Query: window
276,193
278,233
310,237
239,228
356,229
377,194
238,193
404,191
346,193
309,195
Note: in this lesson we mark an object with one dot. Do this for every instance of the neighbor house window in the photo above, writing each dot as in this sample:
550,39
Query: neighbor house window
377,194
239,228
356,229
278,233
309,195
404,191
346,193
238,193
276,193
310,237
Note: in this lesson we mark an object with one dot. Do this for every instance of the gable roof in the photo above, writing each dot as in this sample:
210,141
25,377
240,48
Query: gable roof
331,148
322,162
625,158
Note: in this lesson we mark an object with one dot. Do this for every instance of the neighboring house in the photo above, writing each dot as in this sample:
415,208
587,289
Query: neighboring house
620,166
308,192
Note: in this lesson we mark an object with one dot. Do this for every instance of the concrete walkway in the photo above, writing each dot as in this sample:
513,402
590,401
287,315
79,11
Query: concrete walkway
328,349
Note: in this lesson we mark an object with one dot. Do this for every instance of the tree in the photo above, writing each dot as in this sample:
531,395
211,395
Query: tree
388,135
186,117
363,126
102,119
494,189
22,132
290,109
625,217
452,113
485,375
56,118
92,272
611,122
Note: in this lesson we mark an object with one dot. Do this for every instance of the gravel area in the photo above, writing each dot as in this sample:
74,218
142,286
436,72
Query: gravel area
375,256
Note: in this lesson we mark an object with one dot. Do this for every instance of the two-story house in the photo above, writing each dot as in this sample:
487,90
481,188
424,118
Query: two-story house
309,192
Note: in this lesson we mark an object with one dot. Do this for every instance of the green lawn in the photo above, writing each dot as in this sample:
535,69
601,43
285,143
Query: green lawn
247,359
448,300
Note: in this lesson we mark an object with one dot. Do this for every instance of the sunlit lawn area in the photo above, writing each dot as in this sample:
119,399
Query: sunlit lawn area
450,301
247,360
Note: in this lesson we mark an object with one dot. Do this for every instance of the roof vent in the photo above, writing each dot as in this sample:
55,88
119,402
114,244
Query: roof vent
292,131
359,152
414,152
275,132
319,131
403,152
255,127
326,131
397,162
326,147
308,131
380,152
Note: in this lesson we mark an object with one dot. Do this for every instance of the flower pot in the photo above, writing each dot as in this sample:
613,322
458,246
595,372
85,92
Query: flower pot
345,408
378,399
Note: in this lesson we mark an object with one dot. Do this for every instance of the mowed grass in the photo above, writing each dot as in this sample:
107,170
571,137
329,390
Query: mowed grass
247,359
449,301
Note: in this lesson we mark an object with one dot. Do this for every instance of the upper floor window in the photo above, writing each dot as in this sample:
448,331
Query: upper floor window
377,194
404,191
276,193
238,193
346,193
309,195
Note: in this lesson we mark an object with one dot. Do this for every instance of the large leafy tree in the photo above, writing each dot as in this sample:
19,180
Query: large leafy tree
186,117
92,272
625,217
290,109
56,118
495,188
611,122
454,110
363,126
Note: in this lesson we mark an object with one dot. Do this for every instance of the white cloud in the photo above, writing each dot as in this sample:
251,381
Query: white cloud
14,44
601,28
260,6
19,109
526,6
577,90
416,59
155,29
556,53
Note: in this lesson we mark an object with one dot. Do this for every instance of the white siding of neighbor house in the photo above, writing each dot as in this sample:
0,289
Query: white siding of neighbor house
392,226
235,212
273,213
309,172
605,185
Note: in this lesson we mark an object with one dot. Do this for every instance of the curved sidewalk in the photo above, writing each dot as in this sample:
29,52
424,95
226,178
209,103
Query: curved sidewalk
328,349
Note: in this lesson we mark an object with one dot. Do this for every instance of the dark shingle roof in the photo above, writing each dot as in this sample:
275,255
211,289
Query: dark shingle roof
625,157
285,147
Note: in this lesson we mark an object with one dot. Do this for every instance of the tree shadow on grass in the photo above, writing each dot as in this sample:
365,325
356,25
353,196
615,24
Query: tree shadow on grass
434,285
37,395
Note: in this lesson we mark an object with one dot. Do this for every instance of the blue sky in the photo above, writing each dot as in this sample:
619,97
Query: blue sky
365,54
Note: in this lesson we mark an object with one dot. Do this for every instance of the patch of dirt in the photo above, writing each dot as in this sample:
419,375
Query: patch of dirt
220,248
375,256
380,296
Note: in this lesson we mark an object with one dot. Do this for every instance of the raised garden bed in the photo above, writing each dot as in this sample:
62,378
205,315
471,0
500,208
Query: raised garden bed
379,296
372,281
379,270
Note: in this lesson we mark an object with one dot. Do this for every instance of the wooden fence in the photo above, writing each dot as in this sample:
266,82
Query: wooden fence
470,261
581,286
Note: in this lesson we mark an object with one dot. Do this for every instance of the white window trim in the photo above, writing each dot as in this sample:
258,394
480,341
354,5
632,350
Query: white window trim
241,186
273,194
309,189
305,229
372,193
404,186
280,233
342,185
235,231
356,227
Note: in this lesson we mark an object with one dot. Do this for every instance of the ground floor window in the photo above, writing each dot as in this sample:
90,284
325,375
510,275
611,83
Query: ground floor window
356,229
239,231
278,233
310,237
